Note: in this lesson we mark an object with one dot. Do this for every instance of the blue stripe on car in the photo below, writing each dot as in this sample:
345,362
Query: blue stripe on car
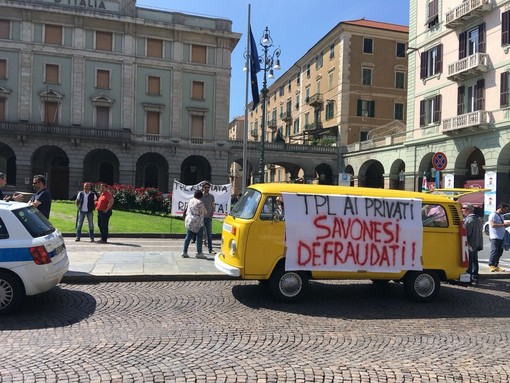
15,255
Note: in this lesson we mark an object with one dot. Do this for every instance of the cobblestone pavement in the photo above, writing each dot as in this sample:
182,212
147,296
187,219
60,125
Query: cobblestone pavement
231,331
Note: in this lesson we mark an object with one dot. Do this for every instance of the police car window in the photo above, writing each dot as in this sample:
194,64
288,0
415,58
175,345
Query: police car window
3,230
434,216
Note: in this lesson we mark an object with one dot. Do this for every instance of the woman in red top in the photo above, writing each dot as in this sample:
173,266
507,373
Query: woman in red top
104,206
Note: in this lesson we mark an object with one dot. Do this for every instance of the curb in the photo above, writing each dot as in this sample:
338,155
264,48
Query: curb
90,279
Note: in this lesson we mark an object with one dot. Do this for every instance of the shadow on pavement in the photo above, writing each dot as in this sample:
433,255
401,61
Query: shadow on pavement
55,308
368,301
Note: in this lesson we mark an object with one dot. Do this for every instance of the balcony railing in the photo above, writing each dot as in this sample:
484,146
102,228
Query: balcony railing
465,12
468,121
313,126
468,66
286,116
315,100
271,124
254,133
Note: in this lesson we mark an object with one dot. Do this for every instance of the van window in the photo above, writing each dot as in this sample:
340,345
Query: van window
273,209
33,220
434,216
247,205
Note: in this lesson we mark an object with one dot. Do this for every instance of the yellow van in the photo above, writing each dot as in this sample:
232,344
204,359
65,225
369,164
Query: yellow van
335,232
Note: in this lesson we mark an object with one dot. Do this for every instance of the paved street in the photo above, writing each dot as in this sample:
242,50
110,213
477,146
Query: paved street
230,331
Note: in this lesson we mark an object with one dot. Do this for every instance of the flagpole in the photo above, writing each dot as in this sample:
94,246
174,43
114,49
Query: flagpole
245,136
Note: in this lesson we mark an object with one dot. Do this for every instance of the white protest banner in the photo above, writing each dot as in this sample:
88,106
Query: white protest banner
350,233
181,194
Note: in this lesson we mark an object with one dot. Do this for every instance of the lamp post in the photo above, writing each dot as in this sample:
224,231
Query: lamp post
270,61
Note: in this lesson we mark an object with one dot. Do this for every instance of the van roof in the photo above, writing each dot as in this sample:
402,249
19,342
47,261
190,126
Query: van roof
275,188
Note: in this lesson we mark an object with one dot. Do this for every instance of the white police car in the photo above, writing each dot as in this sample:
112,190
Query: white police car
33,256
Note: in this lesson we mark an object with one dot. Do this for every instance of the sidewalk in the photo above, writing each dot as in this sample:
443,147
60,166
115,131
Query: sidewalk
142,259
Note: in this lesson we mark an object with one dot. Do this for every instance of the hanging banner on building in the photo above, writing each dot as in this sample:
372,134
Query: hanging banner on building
181,194
350,233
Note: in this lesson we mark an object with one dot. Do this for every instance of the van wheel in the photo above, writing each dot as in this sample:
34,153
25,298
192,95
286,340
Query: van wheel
287,286
422,286
11,293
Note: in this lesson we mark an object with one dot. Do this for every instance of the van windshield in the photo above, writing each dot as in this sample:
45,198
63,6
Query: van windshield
247,205
33,220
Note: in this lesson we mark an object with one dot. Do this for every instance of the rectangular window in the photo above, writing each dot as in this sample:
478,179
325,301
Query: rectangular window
102,117
289,85
330,110
366,76
366,108
198,90
2,109
472,41
52,75
298,78
298,100
401,50
197,126
308,70
199,54
363,136
103,79
50,112
368,45
433,13
154,85
318,85
3,69
155,48
330,80
399,111
104,41
318,60
431,62
471,98
296,126
332,51
281,91
53,34
5,29
152,122
400,80
307,94
430,111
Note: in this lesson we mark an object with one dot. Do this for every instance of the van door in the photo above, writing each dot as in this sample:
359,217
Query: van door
266,238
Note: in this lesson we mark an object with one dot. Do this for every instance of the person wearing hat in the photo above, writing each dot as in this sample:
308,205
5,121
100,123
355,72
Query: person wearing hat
474,239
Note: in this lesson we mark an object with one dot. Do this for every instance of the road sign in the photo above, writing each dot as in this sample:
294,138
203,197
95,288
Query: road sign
439,161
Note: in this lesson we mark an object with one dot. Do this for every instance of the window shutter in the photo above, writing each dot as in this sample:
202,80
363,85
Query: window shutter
437,109
481,38
422,113
462,45
371,109
480,101
439,59
503,99
505,25
423,65
461,91
360,107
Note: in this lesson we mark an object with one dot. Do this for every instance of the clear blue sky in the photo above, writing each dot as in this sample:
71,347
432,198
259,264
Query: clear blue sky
295,25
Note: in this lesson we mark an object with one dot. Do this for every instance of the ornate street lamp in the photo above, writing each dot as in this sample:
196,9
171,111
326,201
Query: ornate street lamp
270,61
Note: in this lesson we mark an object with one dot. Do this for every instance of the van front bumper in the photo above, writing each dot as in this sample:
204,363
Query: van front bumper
224,267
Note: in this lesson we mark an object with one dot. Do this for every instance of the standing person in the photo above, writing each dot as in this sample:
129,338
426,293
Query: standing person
3,182
497,229
42,197
208,200
194,222
86,203
104,206
474,239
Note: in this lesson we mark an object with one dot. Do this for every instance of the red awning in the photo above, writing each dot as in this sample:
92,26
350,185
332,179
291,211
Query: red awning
475,198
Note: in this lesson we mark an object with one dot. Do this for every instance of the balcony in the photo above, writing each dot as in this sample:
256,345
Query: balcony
315,100
271,124
467,67
286,116
472,122
465,12
313,126
254,133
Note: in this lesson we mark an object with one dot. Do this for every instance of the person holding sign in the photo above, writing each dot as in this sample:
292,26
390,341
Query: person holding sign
194,223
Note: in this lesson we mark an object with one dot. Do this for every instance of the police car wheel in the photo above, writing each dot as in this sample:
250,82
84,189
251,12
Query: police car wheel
11,293
422,286
288,286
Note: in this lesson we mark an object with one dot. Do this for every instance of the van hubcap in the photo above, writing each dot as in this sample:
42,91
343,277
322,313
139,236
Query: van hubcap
290,284
424,285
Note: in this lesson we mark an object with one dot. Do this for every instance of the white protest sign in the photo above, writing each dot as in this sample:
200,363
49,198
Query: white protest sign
350,233
181,194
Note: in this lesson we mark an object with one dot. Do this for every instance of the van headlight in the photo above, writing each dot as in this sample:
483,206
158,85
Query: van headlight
233,247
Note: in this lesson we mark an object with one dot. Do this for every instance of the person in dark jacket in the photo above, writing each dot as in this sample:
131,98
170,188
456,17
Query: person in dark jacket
474,239
86,204
41,199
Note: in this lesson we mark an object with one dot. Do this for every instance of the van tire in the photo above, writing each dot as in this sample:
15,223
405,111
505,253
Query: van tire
287,286
11,292
422,286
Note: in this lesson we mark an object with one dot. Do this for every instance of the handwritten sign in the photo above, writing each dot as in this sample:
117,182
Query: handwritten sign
350,233
181,194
